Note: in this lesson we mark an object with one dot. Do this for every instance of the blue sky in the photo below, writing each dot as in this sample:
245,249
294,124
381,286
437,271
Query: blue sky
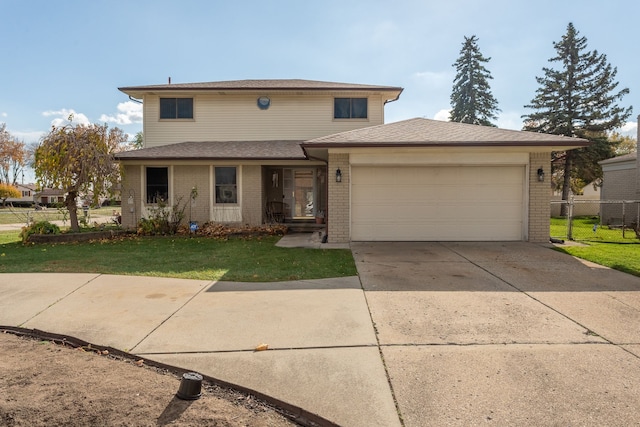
70,56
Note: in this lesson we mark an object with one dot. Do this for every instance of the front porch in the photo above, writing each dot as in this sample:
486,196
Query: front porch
295,196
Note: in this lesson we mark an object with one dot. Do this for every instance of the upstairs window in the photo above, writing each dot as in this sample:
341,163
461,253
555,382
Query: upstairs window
176,108
157,185
350,108
226,187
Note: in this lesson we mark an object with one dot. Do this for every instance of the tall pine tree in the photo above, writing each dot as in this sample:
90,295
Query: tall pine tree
579,99
471,98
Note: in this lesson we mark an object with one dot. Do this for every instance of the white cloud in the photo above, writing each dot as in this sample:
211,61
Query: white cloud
630,129
128,112
442,115
63,117
28,136
3,114
509,120
434,79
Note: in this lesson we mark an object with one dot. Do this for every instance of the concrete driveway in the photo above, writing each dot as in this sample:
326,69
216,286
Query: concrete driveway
503,334
428,334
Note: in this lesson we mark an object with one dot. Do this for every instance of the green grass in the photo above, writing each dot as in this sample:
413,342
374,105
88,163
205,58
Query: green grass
582,230
12,236
257,260
617,256
19,215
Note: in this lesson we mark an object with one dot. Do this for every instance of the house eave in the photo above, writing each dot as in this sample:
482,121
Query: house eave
550,145
205,158
262,87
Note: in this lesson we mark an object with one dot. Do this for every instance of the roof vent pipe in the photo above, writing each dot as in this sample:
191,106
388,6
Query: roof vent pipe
169,79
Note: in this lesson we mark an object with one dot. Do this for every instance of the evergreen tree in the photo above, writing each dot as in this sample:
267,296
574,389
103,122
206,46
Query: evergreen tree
471,98
579,99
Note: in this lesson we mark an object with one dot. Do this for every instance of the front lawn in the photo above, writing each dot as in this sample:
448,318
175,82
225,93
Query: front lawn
623,257
255,260
589,229
24,215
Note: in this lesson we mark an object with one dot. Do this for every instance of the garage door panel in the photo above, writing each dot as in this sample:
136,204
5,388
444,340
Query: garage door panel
437,203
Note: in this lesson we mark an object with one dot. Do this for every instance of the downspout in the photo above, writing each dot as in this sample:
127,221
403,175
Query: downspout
388,101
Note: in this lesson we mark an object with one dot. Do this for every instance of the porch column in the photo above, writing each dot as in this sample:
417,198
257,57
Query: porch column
338,215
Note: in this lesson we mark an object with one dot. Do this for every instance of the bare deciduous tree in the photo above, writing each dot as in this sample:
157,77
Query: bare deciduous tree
79,160
13,157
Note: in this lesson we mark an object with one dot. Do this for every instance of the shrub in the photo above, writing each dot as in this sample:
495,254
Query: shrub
162,219
40,227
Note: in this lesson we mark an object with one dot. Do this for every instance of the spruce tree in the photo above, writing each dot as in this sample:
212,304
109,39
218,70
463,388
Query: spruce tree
471,98
578,99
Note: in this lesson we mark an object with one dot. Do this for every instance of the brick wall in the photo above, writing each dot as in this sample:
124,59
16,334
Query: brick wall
131,187
539,198
338,216
184,179
252,190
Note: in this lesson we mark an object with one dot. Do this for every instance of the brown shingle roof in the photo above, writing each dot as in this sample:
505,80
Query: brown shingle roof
51,192
276,84
220,150
426,132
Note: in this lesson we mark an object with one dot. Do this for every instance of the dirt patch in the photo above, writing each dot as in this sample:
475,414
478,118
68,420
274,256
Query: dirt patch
47,384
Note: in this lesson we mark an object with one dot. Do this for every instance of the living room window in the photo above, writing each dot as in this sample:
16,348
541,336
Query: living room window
226,185
176,108
157,184
350,108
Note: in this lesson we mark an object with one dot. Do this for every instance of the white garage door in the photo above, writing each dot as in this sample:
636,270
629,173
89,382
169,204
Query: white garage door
465,203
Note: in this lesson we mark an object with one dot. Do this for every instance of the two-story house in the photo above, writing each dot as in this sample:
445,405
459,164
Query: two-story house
312,147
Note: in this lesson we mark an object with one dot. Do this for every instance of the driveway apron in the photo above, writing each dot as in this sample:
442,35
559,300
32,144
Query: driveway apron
510,333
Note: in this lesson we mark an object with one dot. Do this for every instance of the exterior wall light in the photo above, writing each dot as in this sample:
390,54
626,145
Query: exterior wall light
540,174
338,175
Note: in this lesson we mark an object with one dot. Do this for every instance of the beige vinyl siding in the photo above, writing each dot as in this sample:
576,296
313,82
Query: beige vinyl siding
236,117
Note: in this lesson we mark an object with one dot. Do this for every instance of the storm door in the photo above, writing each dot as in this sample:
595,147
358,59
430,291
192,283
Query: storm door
300,192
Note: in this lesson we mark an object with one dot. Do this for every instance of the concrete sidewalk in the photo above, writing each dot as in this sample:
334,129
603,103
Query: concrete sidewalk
322,356
428,334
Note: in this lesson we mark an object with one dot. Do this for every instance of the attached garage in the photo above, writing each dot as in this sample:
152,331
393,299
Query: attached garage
437,203
428,180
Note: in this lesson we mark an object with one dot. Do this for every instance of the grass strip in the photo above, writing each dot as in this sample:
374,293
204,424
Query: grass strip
238,260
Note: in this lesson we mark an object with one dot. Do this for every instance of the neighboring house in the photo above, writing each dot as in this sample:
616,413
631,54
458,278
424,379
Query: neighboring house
621,181
49,196
27,192
314,147
588,202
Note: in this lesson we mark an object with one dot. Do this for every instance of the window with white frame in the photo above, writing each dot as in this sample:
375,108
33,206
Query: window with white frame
157,183
226,184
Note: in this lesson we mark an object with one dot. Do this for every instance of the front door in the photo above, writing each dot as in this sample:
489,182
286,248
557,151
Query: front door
300,192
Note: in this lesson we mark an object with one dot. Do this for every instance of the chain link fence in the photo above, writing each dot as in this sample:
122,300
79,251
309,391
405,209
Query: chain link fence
27,216
607,221
60,216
